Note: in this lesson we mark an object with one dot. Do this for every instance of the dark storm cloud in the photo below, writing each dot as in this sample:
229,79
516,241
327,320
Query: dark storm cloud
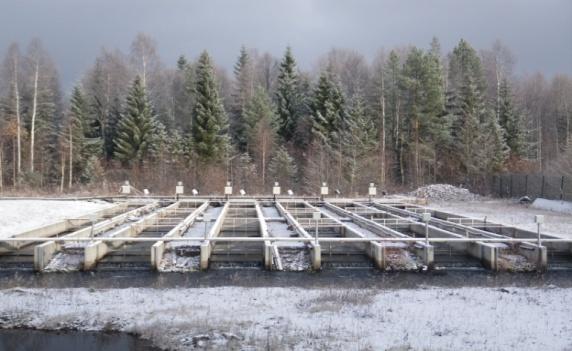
538,32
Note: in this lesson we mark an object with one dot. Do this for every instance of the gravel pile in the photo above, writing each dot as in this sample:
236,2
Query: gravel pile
444,192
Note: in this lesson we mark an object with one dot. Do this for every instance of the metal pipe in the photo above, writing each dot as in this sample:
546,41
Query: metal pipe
301,239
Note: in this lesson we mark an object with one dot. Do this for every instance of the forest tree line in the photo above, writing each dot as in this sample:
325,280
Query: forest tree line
409,117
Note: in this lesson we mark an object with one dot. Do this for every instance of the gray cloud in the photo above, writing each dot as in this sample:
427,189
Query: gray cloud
538,32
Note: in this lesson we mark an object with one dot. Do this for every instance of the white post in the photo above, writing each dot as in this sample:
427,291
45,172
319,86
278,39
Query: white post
179,190
206,219
228,189
126,188
539,219
324,190
372,191
426,217
276,190
317,216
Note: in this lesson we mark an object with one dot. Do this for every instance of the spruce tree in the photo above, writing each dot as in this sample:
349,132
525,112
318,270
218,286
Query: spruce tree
242,92
359,137
510,121
260,122
394,113
493,146
80,136
476,133
136,127
183,95
85,128
327,108
282,167
437,136
210,123
288,97
79,120
258,109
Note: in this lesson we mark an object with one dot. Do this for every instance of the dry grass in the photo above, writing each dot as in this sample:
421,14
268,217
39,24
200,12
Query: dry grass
335,300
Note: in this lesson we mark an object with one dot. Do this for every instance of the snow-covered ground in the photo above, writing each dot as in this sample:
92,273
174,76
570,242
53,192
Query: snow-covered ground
18,216
508,212
307,319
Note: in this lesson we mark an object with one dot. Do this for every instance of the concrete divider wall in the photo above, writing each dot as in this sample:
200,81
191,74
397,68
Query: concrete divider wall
316,252
158,249
206,246
269,251
97,250
421,249
535,254
44,253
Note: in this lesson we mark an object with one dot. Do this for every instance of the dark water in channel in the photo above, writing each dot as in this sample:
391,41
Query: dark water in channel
335,278
37,340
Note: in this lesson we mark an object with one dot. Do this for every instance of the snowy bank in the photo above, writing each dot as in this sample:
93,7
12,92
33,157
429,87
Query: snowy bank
22,215
306,319
553,205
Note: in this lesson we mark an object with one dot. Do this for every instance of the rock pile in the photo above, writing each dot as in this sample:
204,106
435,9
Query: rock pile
444,192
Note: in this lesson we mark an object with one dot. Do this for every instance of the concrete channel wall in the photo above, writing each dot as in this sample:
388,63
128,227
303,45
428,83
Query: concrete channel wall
207,246
97,250
44,253
315,249
421,249
158,249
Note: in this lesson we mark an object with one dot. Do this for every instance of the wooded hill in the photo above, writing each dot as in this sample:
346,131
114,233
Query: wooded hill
410,116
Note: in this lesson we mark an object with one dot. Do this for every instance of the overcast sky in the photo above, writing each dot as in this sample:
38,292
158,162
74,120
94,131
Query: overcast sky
538,32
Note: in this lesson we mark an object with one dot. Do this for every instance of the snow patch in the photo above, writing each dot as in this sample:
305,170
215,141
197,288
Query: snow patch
22,215
552,205
224,318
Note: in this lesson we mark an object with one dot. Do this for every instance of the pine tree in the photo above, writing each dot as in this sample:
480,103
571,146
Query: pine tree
510,121
242,92
78,135
327,108
359,137
437,136
412,116
183,95
493,146
466,128
260,122
394,117
282,167
136,127
476,133
288,97
93,172
210,123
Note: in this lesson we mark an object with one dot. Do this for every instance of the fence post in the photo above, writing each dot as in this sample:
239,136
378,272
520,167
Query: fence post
562,188
542,187
500,186
511,187
526,184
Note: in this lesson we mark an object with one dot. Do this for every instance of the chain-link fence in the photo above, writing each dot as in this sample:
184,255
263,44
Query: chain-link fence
532,185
